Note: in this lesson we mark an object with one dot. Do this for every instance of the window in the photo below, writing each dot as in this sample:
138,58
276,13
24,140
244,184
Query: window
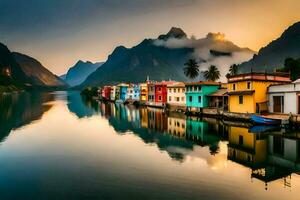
177,99
241,140
170,98
159,98
233,87
190,98
241,99
159,89
199,99
183,90
174,90
248,85
170,90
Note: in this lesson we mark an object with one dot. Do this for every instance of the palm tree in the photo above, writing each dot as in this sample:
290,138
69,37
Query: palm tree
233,69
191,69
212,74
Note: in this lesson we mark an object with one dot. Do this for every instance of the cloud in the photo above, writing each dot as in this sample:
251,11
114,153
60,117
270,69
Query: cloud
227,52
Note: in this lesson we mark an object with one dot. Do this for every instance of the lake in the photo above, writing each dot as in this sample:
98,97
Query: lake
60,146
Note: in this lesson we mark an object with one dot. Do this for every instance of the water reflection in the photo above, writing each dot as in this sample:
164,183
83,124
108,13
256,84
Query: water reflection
18,110
270,156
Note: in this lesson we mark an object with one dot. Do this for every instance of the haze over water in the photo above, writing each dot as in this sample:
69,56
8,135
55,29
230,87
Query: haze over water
57,145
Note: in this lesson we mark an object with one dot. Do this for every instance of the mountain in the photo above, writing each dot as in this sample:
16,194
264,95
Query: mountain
273,55
163,58
38,74
79,72
19,71
11,73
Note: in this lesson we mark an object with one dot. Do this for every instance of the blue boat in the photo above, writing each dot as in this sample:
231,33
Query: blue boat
264,120
264,129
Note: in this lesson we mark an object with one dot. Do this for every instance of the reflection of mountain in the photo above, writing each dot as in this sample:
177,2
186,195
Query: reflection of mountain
18,110
79,107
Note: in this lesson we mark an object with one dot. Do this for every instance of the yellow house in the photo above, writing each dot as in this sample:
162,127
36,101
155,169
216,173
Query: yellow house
248,92
143,92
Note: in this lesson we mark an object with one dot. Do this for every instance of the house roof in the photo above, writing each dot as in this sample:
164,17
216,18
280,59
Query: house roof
203,83
275,77
219,93
243,92
165,83
176,85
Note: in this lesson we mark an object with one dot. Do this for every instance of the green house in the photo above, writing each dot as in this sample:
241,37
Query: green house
196,94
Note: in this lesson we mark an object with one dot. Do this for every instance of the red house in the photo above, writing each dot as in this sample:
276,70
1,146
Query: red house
161,92
106,92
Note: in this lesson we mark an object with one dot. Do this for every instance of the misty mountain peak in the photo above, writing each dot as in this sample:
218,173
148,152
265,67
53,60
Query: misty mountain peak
293,30
174,32
216,36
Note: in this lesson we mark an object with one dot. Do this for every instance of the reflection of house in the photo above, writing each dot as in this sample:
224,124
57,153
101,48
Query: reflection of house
176,95
248,92
203,133
144,117
284,98
247,148
176,126
196,94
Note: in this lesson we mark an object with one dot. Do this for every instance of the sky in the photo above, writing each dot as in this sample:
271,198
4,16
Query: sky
60,32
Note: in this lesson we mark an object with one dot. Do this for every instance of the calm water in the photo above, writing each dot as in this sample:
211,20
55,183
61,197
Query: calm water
57,146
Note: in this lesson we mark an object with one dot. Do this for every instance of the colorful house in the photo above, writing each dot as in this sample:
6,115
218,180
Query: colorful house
106,92
133,92
143,92
176,95
284,98
151,94
113,90
161,92
123,91
196,94
248,92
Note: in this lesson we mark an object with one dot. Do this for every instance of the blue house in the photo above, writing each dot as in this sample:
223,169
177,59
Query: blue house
133,92
123,91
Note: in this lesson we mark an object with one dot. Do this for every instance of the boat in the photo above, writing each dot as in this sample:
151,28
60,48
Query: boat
264,129
257,119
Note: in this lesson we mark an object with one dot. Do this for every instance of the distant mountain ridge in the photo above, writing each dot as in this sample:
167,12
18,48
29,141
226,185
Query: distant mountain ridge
79,72
273,55
161,59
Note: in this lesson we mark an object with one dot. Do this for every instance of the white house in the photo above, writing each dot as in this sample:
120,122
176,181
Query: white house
284,98
113,91
176,94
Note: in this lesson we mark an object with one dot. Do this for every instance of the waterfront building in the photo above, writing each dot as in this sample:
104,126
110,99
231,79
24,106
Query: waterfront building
284,98
113,91
196,94
133,92
248,92
219,99
143,92
161,92
106,92
123,91
151,94
176,95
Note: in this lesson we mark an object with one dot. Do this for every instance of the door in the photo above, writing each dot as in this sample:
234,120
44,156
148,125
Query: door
278,104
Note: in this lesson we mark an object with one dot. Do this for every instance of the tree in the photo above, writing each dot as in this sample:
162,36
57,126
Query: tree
212,74
191,69
233,69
